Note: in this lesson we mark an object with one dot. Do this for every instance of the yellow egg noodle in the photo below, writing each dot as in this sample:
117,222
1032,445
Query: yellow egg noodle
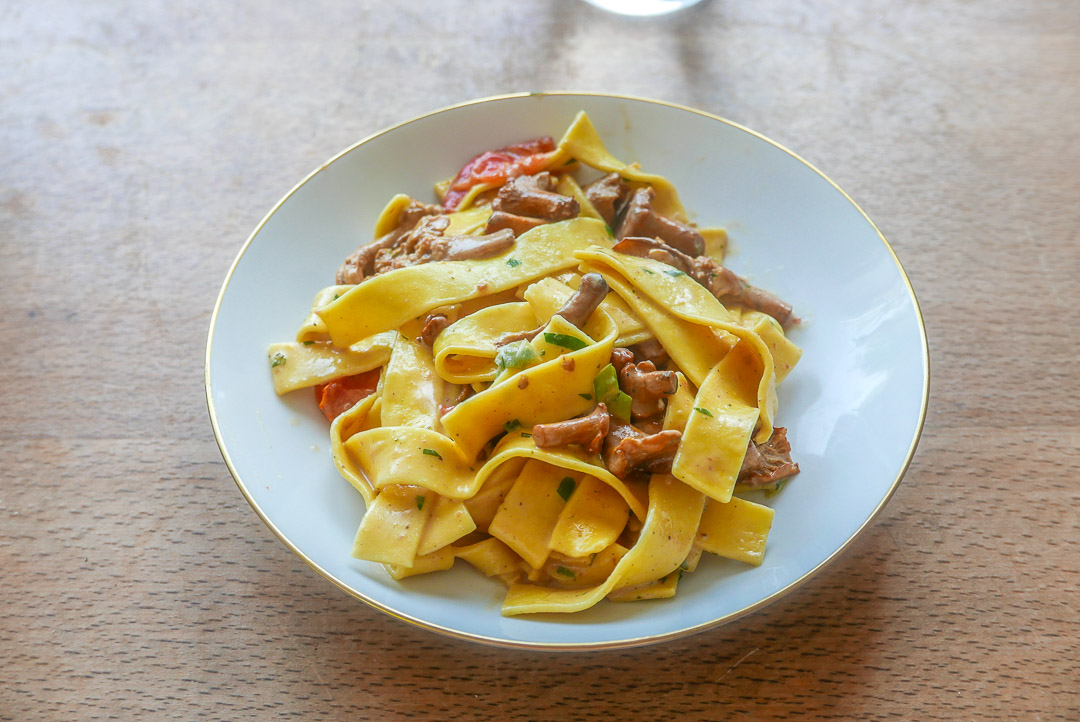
482,417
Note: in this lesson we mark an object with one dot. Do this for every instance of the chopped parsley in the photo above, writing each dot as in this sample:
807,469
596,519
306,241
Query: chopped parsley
649,271
277,359
611,233
587,397
563,571
512,424
674,272
703,411
337,296
513,262
308,343
526,435
561,339
515,355
420,502
566,488
432,452
769,493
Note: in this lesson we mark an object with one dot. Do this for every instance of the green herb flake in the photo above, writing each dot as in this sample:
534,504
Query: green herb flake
611,233
620,406
703,411
566,488
606,384
674,272
587,397
337,296
308,343
561,339
513,262
649,271
526,435
432,452
512,424
563,571
515,355
420,502
277,359
769,493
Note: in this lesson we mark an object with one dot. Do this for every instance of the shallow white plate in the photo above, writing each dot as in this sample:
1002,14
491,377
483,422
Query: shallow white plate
854,406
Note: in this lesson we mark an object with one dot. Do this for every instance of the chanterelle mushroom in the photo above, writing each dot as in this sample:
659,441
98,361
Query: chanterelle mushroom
605,195
360,264
768,462
428,244
500,220
627,449
647,388
531,195
589,431
640,219
435,324
577,309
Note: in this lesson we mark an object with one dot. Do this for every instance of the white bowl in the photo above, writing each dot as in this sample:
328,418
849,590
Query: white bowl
854,406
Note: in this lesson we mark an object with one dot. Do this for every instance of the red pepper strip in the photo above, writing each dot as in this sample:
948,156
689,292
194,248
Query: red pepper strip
498,166
338,396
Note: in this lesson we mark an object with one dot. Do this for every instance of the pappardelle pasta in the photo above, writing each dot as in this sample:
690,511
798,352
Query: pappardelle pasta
552,376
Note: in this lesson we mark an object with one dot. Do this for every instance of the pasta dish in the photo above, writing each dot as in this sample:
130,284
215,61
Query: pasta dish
552,376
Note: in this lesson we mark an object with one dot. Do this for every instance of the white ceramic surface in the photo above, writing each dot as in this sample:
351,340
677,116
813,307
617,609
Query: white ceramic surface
854,406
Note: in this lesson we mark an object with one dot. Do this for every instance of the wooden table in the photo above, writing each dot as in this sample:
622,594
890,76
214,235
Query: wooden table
141,142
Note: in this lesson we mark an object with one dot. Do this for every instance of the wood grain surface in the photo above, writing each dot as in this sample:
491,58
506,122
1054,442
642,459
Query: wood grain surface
141,142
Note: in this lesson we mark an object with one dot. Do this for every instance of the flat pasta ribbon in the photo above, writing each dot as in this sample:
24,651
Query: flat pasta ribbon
582,142
550,391
465,351
390,456
411,388
719,426
387,301
303,365
687,299
313,328
666,538
735,530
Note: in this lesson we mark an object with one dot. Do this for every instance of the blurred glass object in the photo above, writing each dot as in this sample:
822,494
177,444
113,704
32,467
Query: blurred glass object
642,8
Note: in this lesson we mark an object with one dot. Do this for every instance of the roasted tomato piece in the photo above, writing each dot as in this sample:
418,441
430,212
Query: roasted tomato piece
338,396
499,166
